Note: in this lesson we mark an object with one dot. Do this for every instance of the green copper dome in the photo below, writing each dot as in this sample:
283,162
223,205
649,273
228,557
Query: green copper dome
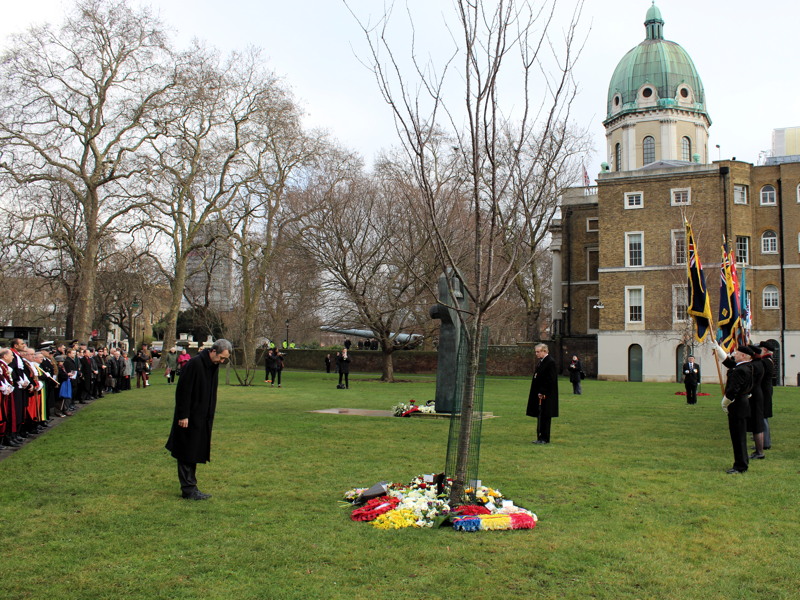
654,75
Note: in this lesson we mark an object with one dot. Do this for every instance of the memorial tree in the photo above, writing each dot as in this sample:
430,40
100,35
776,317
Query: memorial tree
76,107
502,101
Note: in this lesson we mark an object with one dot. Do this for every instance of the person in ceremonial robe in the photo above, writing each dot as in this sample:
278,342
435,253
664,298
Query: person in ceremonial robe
7,400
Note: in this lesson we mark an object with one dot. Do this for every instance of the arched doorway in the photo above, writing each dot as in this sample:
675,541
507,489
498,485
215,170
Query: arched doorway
634,362
681,354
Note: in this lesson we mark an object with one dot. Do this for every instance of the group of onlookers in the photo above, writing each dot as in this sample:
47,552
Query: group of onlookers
50,382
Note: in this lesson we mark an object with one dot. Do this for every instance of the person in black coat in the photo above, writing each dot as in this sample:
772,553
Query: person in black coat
766,388
271,365
755,423
575,375
195,404
691,377
736,403
543,397
343,366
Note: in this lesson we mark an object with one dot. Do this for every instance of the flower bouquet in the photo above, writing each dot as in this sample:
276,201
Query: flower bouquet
405,410
423,503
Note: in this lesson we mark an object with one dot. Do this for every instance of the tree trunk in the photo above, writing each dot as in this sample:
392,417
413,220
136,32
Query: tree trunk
465,431
84,301
171,320
387,374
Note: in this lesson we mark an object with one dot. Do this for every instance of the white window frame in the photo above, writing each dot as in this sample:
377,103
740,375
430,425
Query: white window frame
676,234
771,196
686,141
628,292
589,221
798,193
742,197
647,150
680,292
742,258
630,196
675,191
766,242
589,251
770,298
591,310
628,235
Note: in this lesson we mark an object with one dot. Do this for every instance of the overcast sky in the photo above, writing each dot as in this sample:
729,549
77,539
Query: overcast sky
745,54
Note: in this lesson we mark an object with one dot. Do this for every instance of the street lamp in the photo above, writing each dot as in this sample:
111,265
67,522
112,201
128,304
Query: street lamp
286,341
134,307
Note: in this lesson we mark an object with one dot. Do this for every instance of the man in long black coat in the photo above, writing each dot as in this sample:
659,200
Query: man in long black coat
195,404
736,402
543,398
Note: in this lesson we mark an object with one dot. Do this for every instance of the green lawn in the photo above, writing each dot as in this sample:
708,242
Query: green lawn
632,498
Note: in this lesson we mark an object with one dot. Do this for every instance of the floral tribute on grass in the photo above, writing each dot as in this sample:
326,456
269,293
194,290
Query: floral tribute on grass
405,410
423,503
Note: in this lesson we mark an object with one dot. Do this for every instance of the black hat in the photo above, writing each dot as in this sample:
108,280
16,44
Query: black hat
768,345
46,346
756,350
745,350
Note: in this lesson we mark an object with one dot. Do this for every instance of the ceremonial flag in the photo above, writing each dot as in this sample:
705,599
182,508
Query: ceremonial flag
744,303
698,305
729,319
586,181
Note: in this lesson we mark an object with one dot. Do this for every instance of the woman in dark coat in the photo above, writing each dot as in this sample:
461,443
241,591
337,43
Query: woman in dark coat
343,364
195,403
575,374
543,397
271,365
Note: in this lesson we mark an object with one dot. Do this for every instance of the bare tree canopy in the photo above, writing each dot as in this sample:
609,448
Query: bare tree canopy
76,106
507,143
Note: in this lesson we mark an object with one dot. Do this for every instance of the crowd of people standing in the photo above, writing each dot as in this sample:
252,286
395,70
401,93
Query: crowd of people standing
38,386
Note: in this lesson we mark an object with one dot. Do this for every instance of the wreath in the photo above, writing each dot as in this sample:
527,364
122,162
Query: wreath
374,508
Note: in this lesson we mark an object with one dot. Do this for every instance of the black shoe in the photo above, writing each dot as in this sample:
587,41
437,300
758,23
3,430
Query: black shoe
757,455
197,495
733,471
767,447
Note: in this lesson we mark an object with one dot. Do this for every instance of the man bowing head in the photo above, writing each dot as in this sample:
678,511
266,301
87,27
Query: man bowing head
195,403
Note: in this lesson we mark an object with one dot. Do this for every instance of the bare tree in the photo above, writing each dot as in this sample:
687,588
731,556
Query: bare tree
263,216
494,138
217,147
368,249
76,106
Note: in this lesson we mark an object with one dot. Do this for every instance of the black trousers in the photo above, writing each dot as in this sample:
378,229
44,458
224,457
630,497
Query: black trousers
543,428
346,379
187,477
691,393
738,428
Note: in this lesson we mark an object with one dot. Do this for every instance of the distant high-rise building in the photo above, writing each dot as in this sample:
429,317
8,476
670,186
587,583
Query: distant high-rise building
210,269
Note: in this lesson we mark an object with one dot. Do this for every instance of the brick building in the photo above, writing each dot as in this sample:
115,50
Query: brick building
619,250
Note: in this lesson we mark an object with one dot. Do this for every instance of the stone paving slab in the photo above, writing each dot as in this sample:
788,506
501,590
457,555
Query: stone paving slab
360,412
